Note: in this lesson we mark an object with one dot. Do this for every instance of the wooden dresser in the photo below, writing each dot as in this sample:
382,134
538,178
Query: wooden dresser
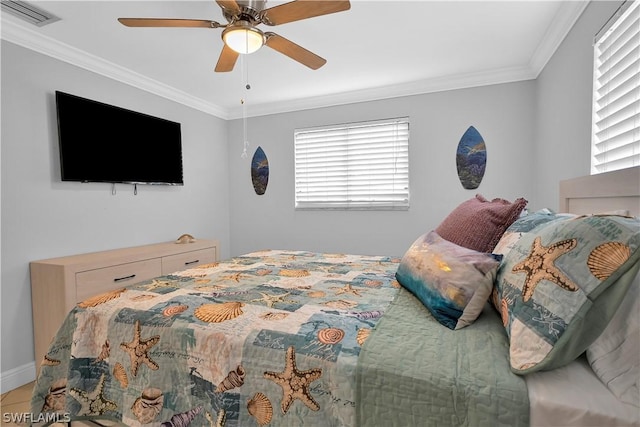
58,284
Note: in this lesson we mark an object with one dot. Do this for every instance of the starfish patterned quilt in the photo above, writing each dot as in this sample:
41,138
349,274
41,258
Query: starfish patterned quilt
265,338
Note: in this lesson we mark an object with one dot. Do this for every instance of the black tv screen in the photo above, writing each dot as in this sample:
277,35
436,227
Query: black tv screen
104,143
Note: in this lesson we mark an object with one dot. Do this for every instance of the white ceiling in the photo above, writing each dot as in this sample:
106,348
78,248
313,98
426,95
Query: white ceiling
377,49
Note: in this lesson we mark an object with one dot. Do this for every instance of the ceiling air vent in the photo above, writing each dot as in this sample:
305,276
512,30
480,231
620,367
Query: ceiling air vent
28,12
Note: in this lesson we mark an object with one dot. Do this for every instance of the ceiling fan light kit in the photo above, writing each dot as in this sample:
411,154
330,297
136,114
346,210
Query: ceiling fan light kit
243,37
240,35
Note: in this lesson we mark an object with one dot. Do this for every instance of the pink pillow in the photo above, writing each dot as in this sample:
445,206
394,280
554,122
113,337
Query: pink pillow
479,223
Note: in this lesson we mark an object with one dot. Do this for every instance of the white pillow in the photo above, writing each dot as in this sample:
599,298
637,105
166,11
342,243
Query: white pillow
615,355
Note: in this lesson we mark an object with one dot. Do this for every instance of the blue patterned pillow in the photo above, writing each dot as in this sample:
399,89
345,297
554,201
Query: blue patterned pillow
560,284
453,282
527,224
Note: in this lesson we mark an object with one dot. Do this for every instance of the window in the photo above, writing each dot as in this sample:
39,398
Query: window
616,92
353,166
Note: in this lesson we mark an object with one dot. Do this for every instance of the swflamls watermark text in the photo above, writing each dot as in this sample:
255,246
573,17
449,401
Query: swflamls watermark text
29,418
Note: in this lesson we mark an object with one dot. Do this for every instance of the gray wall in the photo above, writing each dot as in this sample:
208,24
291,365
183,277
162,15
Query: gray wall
563,107
537,133
503,114
43,217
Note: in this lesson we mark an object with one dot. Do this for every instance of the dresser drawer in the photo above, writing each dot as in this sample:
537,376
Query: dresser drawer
187,260
94,282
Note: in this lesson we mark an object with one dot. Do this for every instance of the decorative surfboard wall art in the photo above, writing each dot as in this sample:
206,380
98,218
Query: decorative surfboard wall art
471,158
259,171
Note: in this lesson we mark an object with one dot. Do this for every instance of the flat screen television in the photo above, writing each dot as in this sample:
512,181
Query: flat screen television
104,143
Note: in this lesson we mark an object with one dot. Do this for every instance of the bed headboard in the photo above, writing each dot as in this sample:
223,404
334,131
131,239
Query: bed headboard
603,192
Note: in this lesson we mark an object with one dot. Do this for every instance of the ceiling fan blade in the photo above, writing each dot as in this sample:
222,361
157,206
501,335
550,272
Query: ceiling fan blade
302,9
227,60
154,22
229,5
293,51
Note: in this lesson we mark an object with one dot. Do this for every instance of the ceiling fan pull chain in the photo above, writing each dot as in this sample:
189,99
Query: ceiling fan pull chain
245,136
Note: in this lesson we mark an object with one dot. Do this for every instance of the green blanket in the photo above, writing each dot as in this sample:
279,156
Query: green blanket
412,371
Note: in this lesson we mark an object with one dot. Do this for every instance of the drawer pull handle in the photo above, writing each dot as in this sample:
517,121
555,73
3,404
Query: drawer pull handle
191,262
120,279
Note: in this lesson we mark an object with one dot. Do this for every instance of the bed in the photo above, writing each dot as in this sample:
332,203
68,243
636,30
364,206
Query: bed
294,338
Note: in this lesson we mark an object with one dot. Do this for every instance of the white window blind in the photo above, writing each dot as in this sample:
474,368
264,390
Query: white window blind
354,166
616,101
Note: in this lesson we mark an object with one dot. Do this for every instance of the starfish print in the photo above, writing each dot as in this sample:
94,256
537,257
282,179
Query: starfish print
270,300
138,350
295,383
93,403
539,265
235,277
155,284
347,289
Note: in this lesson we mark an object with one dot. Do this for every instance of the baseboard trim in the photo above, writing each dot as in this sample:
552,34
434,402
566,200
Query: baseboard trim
17,377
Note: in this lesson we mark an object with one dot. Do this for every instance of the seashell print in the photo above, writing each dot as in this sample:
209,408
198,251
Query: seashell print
48,361
101,299
104,354
143,297
185,238
182,419
330,335
202,281
220,420
263,272
362,336
286,272
607,258
120,374
316,294
260,408
273,316
148,405
373,283
217,313
341,304
54,401
210,265
172,310
234,379
504,312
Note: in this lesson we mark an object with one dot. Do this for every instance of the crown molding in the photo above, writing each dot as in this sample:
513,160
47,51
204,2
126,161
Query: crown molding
562,23
45,45
461,81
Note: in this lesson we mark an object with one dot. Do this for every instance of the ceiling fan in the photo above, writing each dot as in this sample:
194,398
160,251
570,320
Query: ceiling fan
241,35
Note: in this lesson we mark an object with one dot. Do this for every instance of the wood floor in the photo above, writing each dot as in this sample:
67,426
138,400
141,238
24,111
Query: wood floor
17,402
